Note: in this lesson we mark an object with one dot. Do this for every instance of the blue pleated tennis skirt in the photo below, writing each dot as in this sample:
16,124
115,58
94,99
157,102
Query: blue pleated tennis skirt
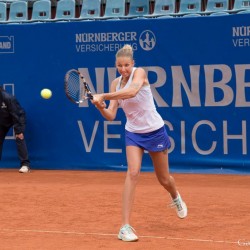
155,141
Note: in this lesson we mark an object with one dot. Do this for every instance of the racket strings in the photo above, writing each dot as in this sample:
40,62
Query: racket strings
74,88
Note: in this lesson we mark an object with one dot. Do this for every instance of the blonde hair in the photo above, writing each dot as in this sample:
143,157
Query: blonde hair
127,51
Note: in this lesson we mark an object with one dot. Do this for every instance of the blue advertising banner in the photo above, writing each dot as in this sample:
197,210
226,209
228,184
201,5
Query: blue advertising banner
199,71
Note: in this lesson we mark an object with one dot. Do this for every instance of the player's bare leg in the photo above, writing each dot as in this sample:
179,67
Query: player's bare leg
134,158
161,166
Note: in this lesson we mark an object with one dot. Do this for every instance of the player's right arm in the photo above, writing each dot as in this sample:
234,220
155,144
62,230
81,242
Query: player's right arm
110,112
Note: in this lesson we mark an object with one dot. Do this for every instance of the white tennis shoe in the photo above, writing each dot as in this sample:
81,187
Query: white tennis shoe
24,169
127,233
180,206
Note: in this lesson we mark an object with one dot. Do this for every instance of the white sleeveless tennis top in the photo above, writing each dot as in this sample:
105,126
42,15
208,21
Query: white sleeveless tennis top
140,110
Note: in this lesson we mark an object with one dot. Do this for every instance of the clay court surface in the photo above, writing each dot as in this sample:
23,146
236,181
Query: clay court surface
73,210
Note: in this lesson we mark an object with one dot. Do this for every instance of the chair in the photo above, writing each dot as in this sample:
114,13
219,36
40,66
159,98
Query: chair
114,9
41,10
216,6
165,17
65,10
138,8
163,8
91,9
219,13
244,12
192,15
3,12
189,6
241,5
18,11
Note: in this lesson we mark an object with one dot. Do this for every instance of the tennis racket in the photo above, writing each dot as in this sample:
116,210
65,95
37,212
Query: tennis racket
76,88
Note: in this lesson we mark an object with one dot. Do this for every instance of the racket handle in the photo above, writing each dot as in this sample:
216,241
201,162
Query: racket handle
86,86
90,96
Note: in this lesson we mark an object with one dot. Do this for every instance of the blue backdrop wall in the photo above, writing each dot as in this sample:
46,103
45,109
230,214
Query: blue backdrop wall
199,71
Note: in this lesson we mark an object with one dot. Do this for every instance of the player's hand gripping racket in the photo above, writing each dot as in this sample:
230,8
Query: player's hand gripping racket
76,88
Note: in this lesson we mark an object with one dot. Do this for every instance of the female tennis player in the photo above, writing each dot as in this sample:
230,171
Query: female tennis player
144,130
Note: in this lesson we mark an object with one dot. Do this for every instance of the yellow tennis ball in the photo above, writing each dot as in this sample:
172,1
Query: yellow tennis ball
46,93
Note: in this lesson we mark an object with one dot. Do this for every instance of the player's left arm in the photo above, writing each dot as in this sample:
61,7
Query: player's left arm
139,79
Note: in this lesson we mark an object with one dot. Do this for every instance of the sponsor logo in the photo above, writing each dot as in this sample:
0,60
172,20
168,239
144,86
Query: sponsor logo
241,36
6,44
113,41
104,41
147,40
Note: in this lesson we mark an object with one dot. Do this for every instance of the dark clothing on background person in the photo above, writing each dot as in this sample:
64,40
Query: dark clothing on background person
13,115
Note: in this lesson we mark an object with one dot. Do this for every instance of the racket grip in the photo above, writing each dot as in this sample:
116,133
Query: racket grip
90,96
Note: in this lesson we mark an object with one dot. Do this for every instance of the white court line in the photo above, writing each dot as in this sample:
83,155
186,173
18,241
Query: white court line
105,234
